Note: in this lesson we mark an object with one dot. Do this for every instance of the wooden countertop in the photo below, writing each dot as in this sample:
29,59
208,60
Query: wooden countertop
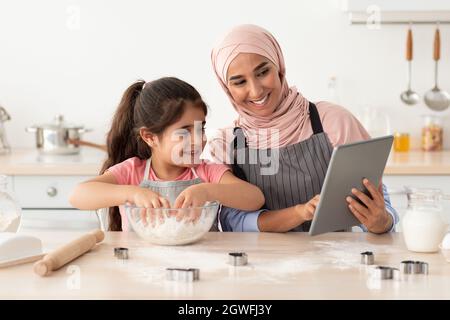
418,163
281,266
29,162
89,161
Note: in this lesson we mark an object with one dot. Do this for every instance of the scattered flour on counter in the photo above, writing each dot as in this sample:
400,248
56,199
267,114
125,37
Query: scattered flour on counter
346,254
149,264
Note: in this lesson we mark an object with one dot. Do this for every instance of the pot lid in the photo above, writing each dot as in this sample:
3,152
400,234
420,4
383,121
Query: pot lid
59,123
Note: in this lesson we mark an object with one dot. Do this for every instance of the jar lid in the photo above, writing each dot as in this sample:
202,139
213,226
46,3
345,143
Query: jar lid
401,134
423,194
59,123
430,119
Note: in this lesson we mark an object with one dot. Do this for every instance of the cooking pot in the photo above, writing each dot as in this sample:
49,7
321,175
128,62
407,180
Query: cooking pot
57,137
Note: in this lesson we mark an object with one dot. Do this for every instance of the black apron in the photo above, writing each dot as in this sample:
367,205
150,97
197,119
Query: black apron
301,167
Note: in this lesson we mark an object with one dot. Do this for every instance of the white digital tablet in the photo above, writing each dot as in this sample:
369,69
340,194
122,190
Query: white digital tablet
349,165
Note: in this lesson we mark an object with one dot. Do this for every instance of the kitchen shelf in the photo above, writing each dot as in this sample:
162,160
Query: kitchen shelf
388,12
403,18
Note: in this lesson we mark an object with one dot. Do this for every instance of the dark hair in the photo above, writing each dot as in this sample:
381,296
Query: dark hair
154,105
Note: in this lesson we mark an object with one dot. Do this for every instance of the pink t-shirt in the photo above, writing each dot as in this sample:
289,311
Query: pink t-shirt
131,172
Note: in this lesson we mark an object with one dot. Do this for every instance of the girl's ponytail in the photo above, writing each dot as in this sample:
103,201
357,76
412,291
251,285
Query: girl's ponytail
123,142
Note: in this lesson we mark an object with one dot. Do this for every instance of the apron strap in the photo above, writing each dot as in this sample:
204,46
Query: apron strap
316,124
147,169
239,142
148,166
194,172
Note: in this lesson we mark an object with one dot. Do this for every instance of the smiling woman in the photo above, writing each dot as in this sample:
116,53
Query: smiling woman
276,119
254,82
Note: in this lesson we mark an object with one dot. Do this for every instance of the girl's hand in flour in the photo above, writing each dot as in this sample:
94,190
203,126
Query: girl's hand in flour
148,200
192,197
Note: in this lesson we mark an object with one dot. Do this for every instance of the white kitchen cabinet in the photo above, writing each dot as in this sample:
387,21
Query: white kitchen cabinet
45,203
396,184
45,191
58,219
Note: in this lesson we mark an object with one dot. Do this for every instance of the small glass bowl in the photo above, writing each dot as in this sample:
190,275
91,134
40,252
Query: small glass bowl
167,226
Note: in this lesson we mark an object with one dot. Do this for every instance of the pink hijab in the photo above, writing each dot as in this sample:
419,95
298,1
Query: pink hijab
289,117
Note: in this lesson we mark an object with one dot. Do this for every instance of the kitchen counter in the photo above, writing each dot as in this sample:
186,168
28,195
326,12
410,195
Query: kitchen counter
30,162
281,266
418,163
89,161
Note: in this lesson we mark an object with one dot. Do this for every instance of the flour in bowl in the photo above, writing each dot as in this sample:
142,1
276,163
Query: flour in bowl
169,231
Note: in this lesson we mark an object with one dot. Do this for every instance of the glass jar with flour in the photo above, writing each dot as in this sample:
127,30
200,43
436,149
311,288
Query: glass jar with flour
10,212
423,224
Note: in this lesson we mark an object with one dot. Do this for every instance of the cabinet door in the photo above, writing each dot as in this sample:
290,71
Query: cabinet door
45,191
58,220
396,185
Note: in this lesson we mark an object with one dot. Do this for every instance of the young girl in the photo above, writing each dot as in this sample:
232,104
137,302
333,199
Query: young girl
146,155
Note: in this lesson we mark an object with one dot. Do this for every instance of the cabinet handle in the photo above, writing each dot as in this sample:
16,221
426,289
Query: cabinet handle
52,192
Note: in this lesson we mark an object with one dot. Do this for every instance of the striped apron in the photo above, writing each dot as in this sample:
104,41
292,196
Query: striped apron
301,167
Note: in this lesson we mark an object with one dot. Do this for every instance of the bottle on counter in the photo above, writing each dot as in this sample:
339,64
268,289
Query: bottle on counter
401,142
375,121
10,211
333,94
432,133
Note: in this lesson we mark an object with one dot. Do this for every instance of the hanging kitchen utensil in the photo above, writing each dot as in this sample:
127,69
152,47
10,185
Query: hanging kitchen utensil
409,96
437,99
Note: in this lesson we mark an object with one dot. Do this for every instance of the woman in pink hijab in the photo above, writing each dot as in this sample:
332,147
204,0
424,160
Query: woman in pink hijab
282,142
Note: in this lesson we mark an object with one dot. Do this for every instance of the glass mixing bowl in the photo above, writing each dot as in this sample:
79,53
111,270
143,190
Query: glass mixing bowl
167,226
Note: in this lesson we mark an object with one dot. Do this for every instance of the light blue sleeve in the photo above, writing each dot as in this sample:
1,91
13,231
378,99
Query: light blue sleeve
389,208
235,220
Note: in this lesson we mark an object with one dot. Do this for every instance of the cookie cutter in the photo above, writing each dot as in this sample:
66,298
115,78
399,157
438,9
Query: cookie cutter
397,274
183,274
121,253
384,273
237,258
414,267
367,258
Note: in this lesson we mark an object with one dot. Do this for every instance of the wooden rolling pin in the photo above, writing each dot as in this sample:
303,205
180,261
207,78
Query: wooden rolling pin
68,252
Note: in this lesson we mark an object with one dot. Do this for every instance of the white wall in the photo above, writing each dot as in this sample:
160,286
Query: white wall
51,64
